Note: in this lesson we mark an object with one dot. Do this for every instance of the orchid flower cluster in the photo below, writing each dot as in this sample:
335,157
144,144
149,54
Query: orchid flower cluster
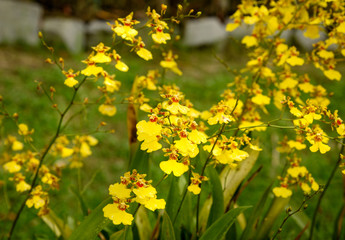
133,188
25,164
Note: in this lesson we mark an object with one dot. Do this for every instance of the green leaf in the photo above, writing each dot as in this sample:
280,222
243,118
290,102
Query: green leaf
254,218
230,179
220,227
56,224
140,161
80,199
174,197
119,235
187,214
143,223
167,232
123,234
276,208
217,208
92,224
232,233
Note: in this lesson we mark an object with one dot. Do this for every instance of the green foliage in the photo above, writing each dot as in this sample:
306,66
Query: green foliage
66,154
220,227
93,224
167,228
217,208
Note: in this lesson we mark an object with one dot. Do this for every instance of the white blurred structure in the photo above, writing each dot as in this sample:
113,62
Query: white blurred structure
71,31
19,21
203,31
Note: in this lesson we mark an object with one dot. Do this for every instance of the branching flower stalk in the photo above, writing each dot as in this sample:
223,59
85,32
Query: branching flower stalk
290,213
42,157
335,168
183,197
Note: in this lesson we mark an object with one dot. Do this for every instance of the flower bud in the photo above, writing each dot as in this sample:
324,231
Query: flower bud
289,209
164,7
179,7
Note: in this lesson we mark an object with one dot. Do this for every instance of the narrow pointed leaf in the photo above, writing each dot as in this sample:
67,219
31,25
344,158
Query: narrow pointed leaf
233,178
123,234
92,224
173,197
276,208
81,200
230,179
254,218
220,227
143,223
57,225
119,235
217,208
167,232
140,161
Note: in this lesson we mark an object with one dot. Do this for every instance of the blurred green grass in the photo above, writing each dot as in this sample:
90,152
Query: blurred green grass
203,81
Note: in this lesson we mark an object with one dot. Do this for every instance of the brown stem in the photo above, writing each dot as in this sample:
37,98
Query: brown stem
336,166
52,141
299,209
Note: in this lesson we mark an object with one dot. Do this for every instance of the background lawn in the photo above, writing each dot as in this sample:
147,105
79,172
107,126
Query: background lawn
203,81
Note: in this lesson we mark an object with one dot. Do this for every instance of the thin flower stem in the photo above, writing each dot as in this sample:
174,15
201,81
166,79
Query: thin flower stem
79,180
163,77
281,127
183,197
52,141
71,118
160,180
202,173
236,196
299,209
16,122
7,201
136,210
336,166
204,167
221,61
48,96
